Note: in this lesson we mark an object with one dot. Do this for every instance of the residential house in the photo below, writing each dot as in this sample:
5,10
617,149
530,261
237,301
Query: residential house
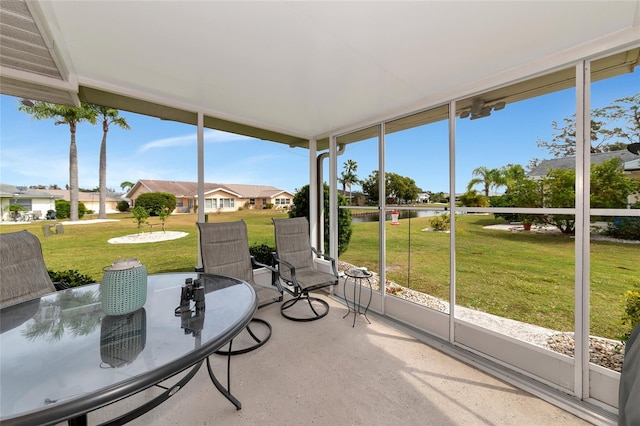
37,201
630,165
91,200
217,196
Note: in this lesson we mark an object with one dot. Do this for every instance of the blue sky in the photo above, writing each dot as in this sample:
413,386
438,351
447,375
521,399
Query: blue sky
37,152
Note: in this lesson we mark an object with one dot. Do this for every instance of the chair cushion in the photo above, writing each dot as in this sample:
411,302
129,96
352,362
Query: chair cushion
309,278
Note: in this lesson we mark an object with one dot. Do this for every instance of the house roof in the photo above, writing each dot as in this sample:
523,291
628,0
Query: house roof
570,162
84,196
190,189
290,71
11,191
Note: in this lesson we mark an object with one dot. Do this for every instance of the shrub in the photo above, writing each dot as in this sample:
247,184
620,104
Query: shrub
122,206
441,222
301,208
155,202
70,278
63,209
505,200
631,317
262,253
474,199
268,206
625,228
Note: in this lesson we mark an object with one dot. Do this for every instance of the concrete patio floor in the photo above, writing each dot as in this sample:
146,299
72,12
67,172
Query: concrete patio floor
327,373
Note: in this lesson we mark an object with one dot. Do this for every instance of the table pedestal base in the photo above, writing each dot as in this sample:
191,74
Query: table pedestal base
357,276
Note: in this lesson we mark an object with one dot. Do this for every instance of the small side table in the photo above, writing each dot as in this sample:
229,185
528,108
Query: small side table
357,275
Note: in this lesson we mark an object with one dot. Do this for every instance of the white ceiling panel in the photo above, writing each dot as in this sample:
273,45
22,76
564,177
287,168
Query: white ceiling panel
309,68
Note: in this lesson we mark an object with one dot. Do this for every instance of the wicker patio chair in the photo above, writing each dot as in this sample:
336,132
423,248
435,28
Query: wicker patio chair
23,274
224,248
297,268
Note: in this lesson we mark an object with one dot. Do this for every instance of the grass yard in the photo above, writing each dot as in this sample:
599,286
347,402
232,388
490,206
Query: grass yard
524,276
85,248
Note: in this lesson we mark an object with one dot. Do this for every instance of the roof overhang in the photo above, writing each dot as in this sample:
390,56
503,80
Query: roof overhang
294,71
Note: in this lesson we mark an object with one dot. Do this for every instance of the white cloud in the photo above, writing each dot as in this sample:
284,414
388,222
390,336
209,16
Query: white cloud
210,136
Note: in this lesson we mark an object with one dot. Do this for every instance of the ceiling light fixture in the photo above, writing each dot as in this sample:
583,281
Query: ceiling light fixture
27,102
479,109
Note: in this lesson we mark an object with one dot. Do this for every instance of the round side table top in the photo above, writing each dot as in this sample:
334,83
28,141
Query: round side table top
358,273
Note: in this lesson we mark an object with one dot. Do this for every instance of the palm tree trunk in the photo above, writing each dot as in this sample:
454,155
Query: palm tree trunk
102,213
73,176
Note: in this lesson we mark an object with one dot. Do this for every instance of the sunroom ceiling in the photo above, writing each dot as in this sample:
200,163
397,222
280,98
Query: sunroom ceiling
292,71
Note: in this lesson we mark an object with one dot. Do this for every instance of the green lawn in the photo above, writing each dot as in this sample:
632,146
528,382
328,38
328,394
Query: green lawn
85,248
524,276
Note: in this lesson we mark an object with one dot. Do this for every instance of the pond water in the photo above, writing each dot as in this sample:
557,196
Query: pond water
357,217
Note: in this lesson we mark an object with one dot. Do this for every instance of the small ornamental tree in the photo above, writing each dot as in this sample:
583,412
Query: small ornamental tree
164,215
15,208
140,216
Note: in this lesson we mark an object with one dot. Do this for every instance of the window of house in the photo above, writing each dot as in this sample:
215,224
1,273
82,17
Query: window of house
252,201
227,202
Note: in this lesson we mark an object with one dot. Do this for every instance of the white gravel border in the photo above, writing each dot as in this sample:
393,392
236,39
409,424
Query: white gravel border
148,237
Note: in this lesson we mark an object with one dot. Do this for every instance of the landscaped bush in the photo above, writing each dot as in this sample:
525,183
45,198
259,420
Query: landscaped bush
474,199
441,222
262,253
625,228
345,229
155,202
122,206
63,209
70,278
505,200
631,316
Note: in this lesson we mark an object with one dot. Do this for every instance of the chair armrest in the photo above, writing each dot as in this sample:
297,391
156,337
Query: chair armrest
275,281
196,269
322,255
60,286
292,270
326,257
256,264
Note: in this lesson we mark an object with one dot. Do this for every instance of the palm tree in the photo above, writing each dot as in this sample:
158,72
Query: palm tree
489,178
108,116
348,177
126,185
511,173
70,116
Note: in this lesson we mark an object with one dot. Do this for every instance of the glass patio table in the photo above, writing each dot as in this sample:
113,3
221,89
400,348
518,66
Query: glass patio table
62,357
